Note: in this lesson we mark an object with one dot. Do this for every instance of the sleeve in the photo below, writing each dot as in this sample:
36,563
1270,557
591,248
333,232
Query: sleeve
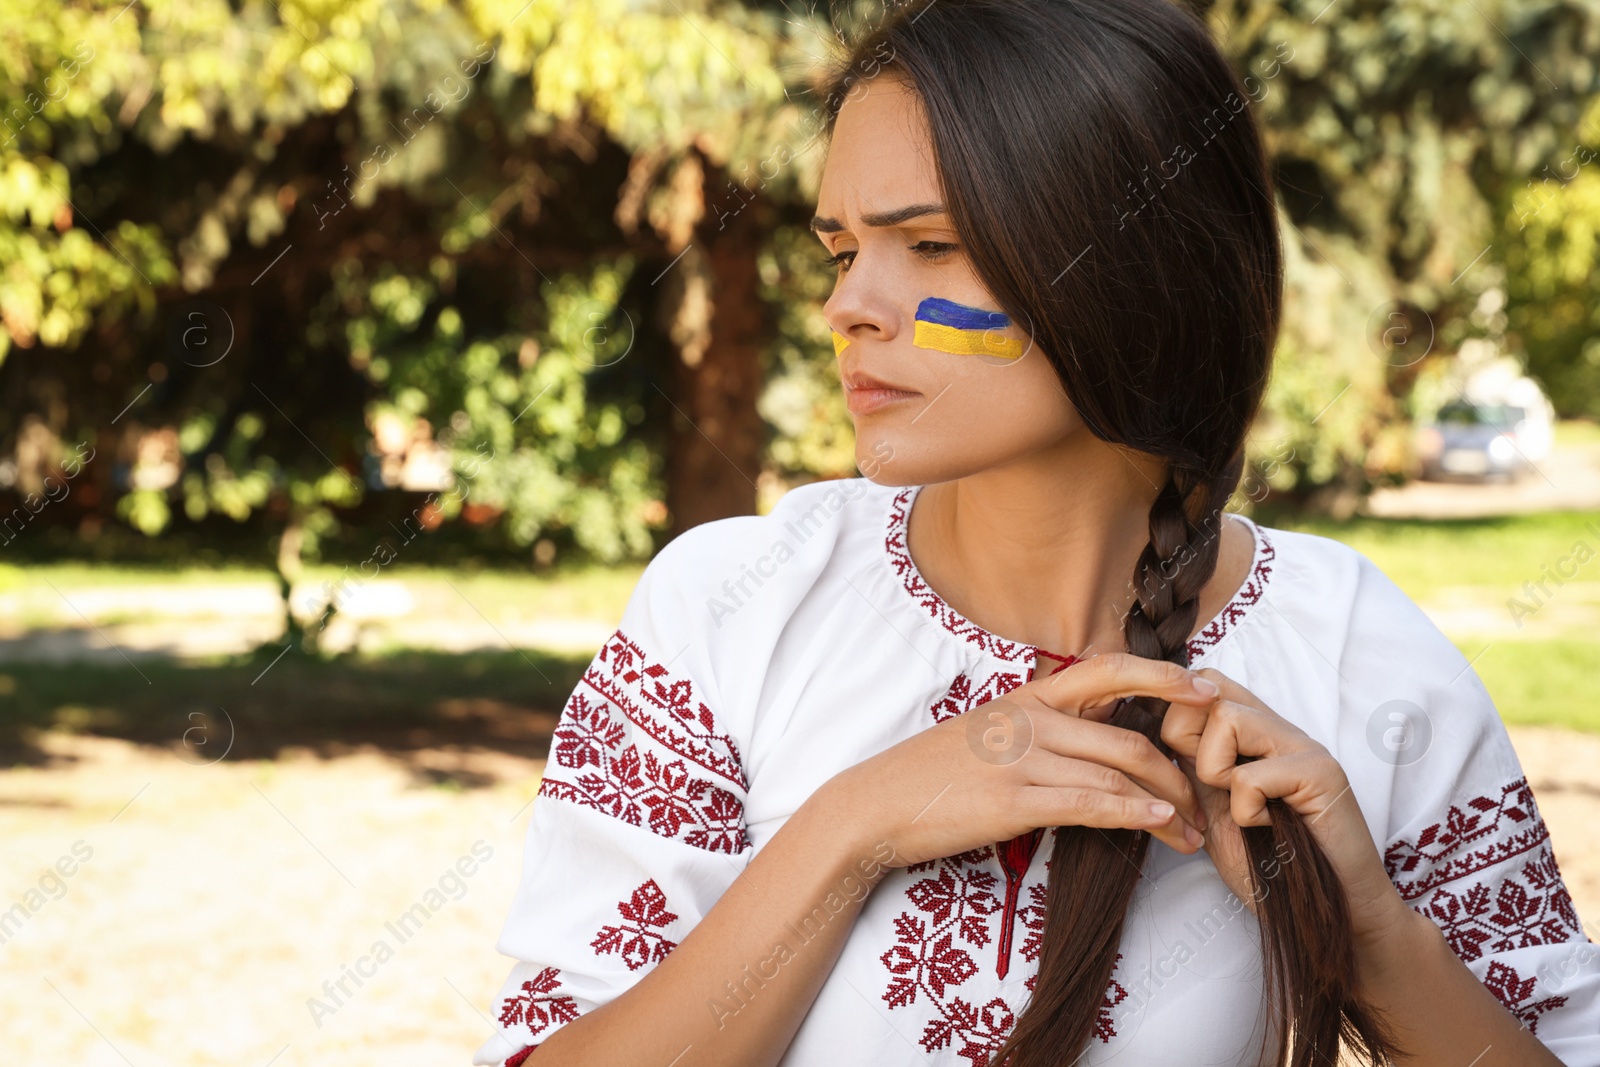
1467,848
637,828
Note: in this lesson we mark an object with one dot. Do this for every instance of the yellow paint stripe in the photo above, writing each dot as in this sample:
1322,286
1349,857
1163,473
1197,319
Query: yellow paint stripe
959,342
839,341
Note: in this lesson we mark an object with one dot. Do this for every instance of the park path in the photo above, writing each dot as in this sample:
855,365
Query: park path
217,899
1568,478
42,623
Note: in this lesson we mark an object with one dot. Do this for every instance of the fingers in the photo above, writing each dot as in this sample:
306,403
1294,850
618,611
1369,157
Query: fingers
1301,779
1099,681
1114,760
1072,805
1216,735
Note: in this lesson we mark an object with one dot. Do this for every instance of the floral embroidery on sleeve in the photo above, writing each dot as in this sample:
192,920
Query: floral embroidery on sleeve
1486,876
592,762
539,1004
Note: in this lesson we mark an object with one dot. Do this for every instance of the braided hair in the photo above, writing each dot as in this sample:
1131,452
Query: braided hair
1100,160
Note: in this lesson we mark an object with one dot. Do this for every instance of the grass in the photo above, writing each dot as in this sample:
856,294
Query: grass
83,575
401,702
1541,683
1423,556
1577,432
578,592
1546,680
588,592
407,699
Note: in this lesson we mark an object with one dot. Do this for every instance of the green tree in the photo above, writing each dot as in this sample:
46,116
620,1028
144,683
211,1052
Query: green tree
1396,131
1552,235
564,241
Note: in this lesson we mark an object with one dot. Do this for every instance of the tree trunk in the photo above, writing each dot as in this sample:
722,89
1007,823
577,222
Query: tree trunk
720,328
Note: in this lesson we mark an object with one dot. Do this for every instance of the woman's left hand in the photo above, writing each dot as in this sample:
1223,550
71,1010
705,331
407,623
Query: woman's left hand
1209,739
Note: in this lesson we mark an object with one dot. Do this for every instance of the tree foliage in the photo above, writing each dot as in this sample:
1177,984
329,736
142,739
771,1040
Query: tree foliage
252,249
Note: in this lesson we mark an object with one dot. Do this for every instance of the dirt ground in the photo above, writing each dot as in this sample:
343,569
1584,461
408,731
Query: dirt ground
215,900
1568,477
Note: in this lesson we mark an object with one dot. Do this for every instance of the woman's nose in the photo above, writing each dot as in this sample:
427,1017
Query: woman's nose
858,309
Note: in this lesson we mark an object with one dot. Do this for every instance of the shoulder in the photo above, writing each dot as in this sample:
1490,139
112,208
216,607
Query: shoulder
1336,622
1349,607
727,562
717,597
1412,718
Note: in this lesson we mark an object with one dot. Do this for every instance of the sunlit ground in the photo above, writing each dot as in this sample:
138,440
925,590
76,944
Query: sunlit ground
217,900
220,894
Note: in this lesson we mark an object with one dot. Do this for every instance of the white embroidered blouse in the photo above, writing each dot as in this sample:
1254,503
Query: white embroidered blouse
759,656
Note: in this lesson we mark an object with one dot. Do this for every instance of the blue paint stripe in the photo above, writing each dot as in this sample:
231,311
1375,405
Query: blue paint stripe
949,313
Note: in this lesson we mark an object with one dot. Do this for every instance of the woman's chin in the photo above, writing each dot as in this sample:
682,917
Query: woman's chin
893,466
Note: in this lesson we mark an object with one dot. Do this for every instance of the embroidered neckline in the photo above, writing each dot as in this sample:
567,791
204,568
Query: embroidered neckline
894,544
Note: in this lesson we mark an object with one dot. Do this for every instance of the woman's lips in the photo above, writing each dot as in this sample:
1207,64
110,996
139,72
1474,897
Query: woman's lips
866,401
866,394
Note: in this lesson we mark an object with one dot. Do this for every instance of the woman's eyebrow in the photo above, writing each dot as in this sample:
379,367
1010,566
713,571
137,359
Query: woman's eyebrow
820,224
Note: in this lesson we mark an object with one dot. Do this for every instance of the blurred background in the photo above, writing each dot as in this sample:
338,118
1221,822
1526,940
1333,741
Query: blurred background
355,356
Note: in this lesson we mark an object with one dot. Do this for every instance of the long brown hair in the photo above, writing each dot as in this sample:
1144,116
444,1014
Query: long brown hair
1100,160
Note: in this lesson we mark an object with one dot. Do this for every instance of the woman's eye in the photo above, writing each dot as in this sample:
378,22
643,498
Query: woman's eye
929,250
933,249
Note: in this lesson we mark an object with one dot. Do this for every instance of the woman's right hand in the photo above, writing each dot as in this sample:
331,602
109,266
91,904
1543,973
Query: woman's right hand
1040,755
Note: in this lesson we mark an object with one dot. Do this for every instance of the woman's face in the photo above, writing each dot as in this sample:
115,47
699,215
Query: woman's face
879,213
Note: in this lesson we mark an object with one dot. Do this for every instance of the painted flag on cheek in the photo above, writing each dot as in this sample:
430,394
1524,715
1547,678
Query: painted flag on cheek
946,326
839,341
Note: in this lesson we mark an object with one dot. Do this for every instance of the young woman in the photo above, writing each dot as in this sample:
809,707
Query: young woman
1020,748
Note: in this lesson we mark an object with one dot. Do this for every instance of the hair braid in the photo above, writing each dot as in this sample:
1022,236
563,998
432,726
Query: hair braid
1093,872
1009,89
1308,959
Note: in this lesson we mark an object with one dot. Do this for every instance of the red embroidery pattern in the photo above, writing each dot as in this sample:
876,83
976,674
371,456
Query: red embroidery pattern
964,694
1486,831
1017,854
1115,994
1249,594
638,788
1519,899
538,1006
636,944
1516,993
932,955
664,707
951,619
929,957
1032,918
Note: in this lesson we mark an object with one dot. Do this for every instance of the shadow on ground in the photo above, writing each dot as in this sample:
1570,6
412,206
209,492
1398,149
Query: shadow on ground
407,705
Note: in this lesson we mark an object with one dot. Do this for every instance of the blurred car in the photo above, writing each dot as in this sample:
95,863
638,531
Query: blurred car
1479,441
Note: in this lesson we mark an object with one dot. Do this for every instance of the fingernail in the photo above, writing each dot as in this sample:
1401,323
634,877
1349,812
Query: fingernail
1191,835
1204,686
1161,809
